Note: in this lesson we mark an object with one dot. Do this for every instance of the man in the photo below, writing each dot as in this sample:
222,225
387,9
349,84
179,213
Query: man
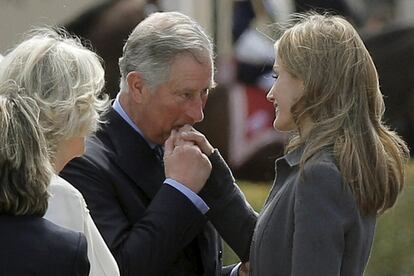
153,225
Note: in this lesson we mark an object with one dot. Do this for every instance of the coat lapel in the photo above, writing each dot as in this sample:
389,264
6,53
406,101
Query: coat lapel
138,161
134,156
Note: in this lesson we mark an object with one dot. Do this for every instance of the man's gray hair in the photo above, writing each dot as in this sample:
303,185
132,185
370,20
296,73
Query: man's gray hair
65,79
155,42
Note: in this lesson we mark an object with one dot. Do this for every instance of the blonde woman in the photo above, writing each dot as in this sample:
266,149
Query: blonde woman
343,167
65,79
30,245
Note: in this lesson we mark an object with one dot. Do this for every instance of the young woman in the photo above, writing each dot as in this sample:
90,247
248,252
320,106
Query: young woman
343,167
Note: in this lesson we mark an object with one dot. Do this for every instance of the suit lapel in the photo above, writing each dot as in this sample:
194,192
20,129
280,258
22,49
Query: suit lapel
134,156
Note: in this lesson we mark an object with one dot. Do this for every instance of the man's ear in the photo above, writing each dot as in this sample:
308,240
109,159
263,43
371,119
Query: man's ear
135,86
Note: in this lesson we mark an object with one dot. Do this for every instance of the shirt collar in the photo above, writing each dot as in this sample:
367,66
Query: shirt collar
116,105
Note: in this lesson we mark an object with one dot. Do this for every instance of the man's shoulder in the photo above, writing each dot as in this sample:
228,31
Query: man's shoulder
98,144
114,137
92,165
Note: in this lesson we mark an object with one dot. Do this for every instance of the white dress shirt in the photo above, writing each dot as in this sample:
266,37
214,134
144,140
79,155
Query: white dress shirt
67,208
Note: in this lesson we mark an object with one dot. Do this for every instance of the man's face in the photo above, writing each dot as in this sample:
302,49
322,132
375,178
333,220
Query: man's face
179,101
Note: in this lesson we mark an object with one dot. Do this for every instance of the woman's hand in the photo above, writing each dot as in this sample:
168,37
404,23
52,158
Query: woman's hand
188,134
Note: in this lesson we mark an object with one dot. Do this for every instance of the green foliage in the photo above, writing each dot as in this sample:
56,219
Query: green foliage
393,253
256,194
393,250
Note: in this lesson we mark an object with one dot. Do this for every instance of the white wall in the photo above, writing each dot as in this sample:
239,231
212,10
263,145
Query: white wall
200,10
18,16
405,11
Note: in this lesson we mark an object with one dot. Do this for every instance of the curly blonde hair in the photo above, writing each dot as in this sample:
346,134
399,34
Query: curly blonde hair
65,79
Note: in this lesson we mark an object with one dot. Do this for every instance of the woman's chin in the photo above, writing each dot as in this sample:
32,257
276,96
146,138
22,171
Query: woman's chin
282,127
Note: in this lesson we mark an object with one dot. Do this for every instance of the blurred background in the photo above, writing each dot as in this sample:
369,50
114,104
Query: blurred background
238,119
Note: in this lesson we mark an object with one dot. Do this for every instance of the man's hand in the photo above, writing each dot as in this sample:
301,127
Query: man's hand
188,134
186,164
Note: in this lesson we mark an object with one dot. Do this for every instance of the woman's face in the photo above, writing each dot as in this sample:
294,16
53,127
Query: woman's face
285,92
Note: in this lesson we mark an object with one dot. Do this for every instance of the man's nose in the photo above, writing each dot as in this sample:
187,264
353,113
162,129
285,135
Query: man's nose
195,110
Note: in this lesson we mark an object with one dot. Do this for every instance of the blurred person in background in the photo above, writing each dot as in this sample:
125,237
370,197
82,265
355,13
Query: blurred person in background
65,79
250,135
30,244
107,26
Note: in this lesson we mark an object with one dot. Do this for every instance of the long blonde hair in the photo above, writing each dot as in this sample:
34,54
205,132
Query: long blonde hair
343,99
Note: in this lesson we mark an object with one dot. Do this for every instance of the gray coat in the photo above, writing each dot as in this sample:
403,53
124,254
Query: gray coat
310,224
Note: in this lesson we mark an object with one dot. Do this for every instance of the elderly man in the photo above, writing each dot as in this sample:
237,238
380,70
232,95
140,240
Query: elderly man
156,225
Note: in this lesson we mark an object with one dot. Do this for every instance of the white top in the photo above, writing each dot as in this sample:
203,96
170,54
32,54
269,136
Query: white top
68,209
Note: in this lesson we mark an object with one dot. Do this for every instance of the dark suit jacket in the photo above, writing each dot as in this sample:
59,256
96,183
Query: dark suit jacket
311,224
33,246
150,227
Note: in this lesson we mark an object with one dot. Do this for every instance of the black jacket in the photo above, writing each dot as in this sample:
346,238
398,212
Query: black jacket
33,246
151,228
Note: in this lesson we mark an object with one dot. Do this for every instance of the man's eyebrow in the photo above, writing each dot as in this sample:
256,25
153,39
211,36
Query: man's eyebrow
190,90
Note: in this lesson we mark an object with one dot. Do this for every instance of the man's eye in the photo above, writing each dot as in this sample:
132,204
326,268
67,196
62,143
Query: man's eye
186,95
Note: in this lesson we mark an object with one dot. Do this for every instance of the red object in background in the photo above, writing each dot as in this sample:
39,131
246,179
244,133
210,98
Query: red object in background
251,123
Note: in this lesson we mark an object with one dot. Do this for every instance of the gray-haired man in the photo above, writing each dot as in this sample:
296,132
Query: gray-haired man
154,225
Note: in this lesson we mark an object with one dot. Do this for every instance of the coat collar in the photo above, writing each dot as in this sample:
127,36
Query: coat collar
293,157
